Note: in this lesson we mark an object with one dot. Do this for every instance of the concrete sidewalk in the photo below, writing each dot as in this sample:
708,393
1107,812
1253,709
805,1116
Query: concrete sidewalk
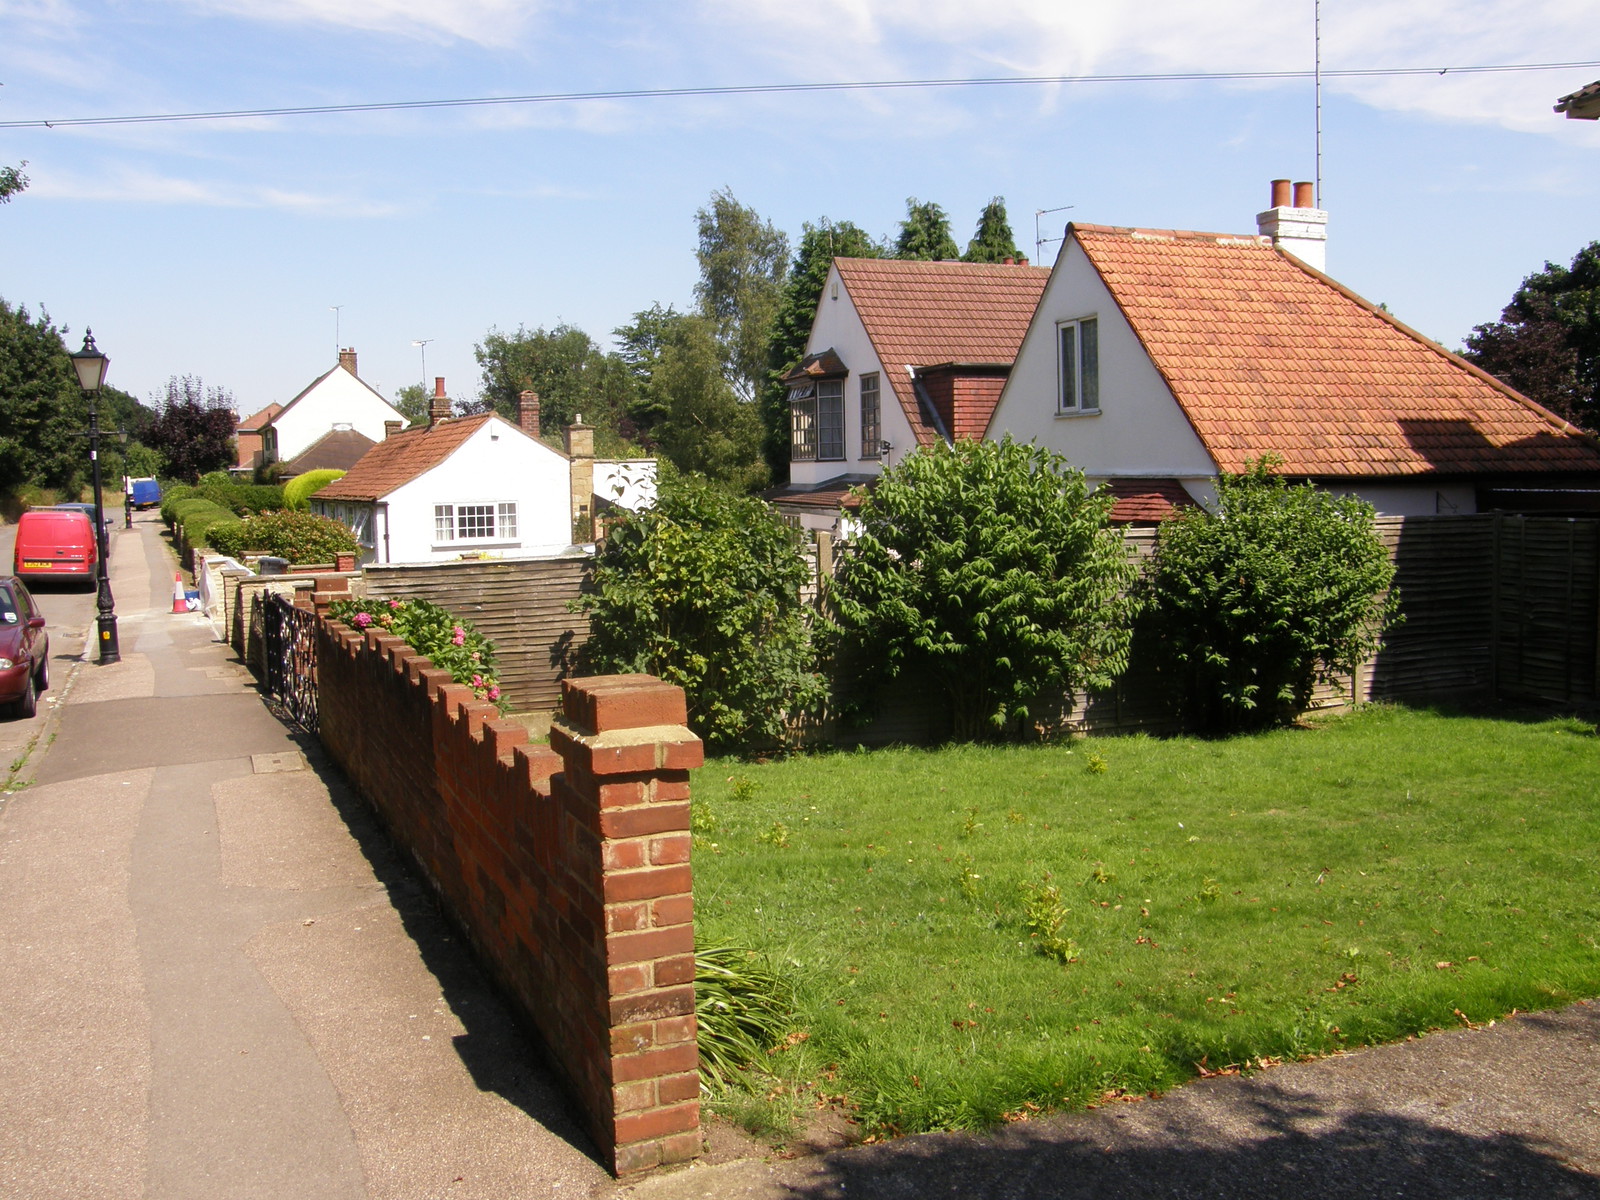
217,982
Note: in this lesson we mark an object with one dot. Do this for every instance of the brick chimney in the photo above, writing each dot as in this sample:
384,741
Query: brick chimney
347,360
1295,224
580,449
528,413
439,409
390,428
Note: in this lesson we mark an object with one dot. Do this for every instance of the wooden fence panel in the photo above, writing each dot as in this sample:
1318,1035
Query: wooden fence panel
1547,597
521,605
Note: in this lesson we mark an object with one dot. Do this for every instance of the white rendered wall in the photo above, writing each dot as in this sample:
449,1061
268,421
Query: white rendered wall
838,327
1139,432
340,399
628,482
486,470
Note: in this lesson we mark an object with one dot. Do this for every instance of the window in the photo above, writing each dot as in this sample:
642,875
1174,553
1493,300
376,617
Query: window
474,522
1080,365
830,419
803,422
871,428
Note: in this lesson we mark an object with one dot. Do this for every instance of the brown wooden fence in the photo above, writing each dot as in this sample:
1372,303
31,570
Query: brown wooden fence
518,604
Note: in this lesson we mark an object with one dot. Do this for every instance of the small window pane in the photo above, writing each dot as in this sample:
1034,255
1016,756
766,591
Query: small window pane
507,515
803,430
444,523
830,419
871,428
1069,367
1089,352
475,521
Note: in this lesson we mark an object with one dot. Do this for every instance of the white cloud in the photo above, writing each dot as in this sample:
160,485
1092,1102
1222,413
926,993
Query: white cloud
134,186
880,38
486,22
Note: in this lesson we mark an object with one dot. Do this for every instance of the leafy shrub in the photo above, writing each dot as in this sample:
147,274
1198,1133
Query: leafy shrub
243,498
198,520
989,570
450,644
300,537
170,495
1249,607
297,492
703,590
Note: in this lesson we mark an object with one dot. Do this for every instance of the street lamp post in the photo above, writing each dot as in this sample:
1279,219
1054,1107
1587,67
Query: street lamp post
91,366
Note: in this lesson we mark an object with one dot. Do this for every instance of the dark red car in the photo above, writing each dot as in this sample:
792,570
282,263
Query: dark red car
24,649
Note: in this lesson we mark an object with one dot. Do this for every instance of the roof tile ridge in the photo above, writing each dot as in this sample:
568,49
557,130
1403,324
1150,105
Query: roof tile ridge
1142,233
1561,424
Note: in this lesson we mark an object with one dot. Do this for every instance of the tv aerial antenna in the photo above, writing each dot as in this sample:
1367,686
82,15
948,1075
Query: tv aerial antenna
1039,241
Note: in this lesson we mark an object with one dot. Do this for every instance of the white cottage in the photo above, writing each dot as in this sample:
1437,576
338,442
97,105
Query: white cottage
335,400
901,354
1158,358
457,487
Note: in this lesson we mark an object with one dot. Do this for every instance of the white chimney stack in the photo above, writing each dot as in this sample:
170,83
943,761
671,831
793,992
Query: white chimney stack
1295,224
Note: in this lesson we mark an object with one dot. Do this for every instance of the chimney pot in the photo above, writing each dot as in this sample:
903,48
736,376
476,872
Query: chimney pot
1305,195
1023,261
439,409
1280,194
1010,261
528,413
438,386
347,359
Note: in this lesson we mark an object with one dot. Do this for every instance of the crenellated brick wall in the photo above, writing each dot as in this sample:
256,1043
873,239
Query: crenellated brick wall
567,865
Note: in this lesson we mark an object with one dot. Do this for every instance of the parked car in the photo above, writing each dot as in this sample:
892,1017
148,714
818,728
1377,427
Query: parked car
24,650
55,543
87,510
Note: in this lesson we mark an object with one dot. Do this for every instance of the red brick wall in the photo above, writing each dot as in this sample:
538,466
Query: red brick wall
964,402
568,867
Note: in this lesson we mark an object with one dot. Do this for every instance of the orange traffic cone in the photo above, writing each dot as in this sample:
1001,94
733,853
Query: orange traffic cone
179,604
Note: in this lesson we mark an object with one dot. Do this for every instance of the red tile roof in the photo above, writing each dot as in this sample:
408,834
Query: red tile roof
400,458
1146,501
830,495
923,313
1265,354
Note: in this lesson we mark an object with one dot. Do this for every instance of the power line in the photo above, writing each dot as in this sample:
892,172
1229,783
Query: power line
778,89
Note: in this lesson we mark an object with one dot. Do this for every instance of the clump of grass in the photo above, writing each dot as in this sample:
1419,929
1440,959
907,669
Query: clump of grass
743,1008
1043,915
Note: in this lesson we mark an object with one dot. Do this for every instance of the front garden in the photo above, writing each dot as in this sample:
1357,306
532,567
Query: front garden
979,934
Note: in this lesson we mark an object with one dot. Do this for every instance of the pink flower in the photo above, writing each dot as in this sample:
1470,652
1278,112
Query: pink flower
460,636
494,692
394,604
363,620
477,681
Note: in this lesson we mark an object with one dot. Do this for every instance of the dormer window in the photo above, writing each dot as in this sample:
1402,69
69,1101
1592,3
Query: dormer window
1079,362
816,409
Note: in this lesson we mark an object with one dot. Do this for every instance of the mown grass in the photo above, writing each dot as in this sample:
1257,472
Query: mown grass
1216,903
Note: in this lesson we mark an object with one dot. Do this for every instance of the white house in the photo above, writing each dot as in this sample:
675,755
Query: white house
457,486
901,354
1158,358
335,400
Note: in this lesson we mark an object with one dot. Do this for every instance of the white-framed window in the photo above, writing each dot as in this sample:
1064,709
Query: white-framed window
871,422
830,419
803,422
490,522
1079,365
816,420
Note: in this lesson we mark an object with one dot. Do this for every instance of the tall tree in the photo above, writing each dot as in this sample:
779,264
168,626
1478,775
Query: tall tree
12,181
743,262
572,375
193,427
640,345
1547,341
993,242
705,427
819,245
413,402
925,234
43,416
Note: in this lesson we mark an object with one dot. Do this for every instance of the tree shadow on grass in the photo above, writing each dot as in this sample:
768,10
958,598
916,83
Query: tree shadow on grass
1268,1143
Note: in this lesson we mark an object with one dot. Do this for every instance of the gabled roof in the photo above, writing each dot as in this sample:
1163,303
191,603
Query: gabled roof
1146,501
254,422
312,386
1583,104
1267,355
921,313
400,458
338,449
830,495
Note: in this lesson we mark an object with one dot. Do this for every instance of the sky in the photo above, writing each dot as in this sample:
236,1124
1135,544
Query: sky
247,250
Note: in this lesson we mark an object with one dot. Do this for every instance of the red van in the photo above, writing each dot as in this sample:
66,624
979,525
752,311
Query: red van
55,544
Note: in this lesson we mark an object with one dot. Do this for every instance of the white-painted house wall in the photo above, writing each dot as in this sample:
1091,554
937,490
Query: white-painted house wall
498,463
339,398
1139,431
838,327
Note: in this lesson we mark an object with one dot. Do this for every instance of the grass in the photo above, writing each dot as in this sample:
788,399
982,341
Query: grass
978,934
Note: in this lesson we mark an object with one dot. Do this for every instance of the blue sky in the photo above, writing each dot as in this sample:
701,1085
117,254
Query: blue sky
217,248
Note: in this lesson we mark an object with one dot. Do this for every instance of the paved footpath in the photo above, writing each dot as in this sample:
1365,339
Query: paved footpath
216,982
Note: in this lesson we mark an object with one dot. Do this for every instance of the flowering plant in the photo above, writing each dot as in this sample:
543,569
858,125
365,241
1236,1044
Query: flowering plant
450,644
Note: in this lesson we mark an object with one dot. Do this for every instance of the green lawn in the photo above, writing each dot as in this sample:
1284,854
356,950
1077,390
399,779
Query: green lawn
1217,903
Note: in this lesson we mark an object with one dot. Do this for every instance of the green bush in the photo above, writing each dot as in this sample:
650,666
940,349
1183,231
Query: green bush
450,644
300,537
198,520
703,590
1250,606
171,493
245,499
989,571
297,492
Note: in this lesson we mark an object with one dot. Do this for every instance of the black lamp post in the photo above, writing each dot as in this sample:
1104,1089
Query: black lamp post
91,366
